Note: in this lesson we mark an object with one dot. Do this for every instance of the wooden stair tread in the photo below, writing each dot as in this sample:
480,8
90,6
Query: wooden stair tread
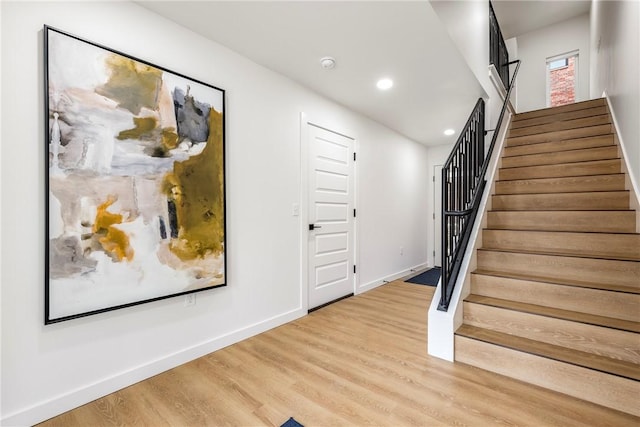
551,351
626,192
603,200
607,167
582,336
565,254
591,167
562,145
573,254
565,282
559,157
574,316
617,221
598,102
554,126
618,246
562,269
569,115
611,391
559,135
563,184
621,305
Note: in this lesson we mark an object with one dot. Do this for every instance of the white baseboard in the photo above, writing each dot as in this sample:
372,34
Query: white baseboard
632,183
395,276
80,396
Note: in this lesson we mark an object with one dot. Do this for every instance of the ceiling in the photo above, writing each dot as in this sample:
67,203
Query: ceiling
433,88
517,17
368,39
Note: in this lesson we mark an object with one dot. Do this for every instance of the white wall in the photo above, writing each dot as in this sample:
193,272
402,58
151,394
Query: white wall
1,238
615,69
392,192
468,25
49,369
535,47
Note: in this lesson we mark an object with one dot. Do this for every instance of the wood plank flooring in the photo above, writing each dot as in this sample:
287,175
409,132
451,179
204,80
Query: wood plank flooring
360,361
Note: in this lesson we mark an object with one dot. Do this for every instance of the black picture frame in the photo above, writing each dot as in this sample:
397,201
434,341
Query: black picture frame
135,180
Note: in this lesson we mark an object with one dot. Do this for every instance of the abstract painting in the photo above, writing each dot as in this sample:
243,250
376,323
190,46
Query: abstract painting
135,180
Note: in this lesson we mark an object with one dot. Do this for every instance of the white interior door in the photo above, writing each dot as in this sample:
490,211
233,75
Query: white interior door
437,216
331,216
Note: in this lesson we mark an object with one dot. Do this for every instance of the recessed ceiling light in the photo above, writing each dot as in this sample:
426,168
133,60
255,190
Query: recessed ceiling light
384,84
449,132
327,62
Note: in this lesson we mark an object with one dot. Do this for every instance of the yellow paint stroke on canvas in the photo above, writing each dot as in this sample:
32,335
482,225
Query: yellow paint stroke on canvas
197,188
113,240
143,126
131,84
169,138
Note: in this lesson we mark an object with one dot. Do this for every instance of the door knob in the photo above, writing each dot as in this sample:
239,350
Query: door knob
313,226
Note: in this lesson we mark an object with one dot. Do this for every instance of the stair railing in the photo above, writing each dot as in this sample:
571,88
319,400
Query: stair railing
498,53
463,184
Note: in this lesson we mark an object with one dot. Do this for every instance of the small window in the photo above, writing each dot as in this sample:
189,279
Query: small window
562,79
559,63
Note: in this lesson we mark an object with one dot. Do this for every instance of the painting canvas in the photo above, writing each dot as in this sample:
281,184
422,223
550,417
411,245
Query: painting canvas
135,180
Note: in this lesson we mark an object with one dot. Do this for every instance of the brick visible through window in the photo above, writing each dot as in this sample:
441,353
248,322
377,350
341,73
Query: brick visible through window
562,84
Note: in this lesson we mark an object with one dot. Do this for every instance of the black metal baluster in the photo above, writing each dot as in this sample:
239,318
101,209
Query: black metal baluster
463,174
463,178
498,54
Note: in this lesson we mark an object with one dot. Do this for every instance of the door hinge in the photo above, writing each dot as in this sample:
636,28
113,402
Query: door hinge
354,156
433,178
434,253
354,213
434,216
354,269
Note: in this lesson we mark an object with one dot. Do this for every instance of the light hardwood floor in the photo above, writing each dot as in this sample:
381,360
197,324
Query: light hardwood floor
360,361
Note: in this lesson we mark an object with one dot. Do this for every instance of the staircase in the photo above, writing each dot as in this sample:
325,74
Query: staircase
555,298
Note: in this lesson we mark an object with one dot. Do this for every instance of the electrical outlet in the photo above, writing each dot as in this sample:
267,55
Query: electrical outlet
401,250
295,209
189,300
